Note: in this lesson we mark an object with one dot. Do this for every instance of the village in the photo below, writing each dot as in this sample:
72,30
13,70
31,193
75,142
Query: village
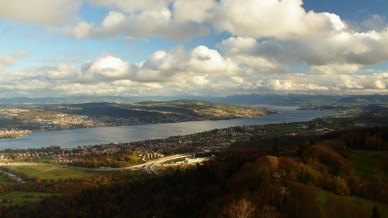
13,133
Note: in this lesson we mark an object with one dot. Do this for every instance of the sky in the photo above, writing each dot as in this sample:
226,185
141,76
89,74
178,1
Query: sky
64,48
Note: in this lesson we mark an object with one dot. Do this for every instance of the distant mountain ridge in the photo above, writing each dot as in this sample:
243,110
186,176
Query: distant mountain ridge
249,99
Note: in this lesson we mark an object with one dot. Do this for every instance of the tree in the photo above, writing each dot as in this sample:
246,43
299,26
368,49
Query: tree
376,212
37,179
241,209
268,211
373,143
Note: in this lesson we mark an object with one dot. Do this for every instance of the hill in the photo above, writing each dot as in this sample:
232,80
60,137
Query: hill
65,116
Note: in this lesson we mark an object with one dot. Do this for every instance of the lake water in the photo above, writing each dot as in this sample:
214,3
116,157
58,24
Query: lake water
93,136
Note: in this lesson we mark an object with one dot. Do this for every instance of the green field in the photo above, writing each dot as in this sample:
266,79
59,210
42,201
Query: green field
50,172
22,198
43,160
348,206
366,163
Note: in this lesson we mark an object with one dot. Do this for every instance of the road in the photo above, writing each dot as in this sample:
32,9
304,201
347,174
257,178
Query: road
149,167
12,176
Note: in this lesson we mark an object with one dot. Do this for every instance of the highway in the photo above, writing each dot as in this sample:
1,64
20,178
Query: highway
149,167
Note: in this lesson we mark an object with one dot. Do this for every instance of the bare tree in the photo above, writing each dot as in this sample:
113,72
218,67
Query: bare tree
241,209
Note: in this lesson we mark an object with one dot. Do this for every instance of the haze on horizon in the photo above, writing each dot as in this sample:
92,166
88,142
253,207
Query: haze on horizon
54,48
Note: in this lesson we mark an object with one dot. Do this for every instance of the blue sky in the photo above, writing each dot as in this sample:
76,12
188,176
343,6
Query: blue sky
192,47
349,9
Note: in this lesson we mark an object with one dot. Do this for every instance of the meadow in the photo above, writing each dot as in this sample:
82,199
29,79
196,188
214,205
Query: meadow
51,172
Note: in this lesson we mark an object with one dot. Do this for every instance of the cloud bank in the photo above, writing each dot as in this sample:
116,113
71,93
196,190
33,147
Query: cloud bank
266,41
39,12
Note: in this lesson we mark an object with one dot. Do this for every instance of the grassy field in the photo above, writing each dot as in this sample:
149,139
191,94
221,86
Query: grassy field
43,160
366,163
348,206
22,198
49,172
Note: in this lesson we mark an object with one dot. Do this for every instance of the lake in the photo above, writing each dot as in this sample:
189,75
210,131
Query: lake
92,136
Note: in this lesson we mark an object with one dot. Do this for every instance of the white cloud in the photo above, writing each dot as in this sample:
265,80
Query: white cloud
182,19
200,80
113,19
62,71
39,12
197,64
205,60
132,6
238,79
281,85
107,67
81,30
198,11
145,24
239,45
9,60
200,71
374,22
331,69
163,61
350,82
270,18
164,72
342,52
379,84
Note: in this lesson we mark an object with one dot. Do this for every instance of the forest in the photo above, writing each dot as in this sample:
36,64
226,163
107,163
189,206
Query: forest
339,174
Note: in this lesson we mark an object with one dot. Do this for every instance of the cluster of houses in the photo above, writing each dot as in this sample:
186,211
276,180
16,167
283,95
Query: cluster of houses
13,133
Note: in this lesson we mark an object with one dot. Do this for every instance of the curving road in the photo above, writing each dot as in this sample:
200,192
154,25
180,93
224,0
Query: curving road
149,167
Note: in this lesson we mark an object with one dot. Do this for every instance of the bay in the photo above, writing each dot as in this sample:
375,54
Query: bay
92,136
